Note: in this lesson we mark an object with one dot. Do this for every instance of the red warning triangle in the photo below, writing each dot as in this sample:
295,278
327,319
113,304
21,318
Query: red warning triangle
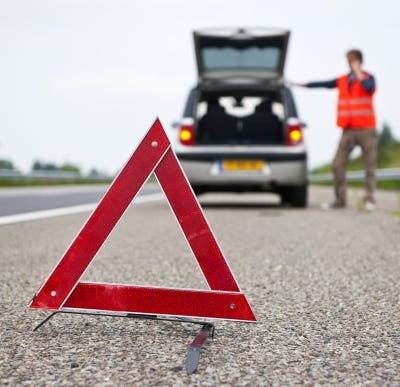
64,291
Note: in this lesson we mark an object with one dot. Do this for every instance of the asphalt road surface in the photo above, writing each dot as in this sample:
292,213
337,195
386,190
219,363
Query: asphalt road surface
324,286
22,200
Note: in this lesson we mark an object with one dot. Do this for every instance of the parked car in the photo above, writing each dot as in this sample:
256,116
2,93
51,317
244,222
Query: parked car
240,130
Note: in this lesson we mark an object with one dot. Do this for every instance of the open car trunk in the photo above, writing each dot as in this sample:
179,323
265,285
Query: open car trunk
232,53
240,119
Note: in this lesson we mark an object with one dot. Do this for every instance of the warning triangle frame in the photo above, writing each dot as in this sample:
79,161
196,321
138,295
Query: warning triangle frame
63,290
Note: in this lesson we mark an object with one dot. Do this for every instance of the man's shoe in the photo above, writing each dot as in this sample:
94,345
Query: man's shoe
369,206
333,206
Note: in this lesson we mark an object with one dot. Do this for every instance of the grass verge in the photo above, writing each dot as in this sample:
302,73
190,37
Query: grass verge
49,182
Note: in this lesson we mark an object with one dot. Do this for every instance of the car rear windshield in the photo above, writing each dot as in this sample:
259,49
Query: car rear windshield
223,58
244,120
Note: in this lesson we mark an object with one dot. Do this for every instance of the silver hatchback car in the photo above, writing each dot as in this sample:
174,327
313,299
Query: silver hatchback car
240,130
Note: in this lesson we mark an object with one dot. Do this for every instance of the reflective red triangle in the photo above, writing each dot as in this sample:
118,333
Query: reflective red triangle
62,290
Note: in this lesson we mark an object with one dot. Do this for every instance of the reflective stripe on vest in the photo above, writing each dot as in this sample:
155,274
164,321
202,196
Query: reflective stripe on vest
355,113
355,101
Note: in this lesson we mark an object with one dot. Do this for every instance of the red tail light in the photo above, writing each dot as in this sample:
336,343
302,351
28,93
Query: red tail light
186,134
294,132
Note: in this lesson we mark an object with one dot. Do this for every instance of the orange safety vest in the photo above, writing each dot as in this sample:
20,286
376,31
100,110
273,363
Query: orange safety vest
355,109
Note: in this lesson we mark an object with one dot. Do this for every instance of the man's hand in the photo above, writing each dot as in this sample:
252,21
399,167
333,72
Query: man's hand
297,84
355,66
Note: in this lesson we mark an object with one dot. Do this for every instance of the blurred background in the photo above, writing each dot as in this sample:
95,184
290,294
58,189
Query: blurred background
81,81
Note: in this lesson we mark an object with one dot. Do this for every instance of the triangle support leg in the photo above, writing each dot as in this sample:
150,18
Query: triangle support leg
194,350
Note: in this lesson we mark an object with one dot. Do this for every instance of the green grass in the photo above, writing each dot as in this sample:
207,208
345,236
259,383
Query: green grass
49,182
57,182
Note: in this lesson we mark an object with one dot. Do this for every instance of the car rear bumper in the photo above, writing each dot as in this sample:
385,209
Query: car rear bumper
280,169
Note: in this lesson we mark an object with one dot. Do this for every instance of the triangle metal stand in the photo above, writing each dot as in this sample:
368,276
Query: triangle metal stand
194,349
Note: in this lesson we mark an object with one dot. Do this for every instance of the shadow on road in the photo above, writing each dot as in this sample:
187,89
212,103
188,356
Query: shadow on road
241,201
240,205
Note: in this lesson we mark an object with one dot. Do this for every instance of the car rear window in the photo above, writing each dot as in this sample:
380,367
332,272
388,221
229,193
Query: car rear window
251,58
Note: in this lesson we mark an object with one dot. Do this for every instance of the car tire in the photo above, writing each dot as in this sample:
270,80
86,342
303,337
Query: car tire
295,196
198,190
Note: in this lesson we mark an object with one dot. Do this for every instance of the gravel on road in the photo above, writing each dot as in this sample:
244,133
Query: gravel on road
324,286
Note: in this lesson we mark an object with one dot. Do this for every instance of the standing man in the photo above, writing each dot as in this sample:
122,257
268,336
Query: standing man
356,116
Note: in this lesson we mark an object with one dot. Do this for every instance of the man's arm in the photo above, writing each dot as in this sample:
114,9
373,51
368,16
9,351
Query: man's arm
367,81
331,84
368,84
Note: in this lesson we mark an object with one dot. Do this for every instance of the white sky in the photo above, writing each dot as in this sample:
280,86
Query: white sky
82,80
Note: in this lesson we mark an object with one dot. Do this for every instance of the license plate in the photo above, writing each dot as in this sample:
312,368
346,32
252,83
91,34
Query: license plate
243,165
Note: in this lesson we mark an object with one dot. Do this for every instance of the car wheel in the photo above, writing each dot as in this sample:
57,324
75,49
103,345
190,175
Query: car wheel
198,190
295,196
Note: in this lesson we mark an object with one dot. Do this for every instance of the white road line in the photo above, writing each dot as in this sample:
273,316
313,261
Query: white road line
36,215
